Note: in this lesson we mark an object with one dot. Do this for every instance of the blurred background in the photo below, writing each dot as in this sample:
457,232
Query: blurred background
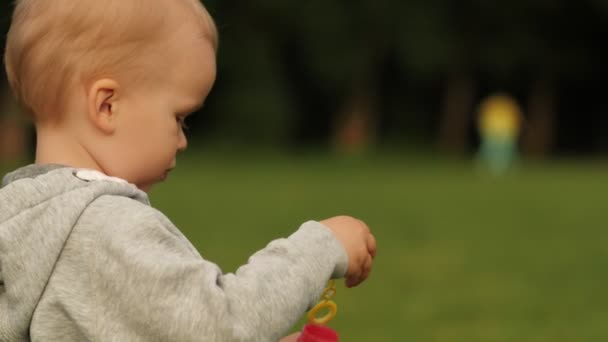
470,135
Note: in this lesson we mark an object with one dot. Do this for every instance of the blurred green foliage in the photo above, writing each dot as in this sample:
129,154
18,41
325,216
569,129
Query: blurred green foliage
287,69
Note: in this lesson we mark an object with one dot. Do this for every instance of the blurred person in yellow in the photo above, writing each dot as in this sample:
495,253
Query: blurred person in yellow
83,254
499,123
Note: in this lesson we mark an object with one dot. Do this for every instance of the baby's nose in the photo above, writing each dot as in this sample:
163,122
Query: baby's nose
182,145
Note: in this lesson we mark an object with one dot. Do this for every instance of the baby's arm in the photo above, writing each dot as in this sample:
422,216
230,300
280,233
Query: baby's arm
150,283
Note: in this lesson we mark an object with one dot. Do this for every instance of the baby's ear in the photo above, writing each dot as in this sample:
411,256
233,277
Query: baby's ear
102,104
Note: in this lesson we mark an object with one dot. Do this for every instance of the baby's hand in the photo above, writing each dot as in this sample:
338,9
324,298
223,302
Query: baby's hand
291,338
359,243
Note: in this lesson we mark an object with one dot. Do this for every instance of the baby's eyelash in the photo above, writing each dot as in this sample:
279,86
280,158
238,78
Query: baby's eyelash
181,120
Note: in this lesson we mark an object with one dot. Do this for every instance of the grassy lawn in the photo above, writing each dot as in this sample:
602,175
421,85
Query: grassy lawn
462,256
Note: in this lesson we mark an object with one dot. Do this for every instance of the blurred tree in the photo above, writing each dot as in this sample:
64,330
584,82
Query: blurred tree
342,45
502,39
255,104
565,37
320,61
436,39
323,69
13,131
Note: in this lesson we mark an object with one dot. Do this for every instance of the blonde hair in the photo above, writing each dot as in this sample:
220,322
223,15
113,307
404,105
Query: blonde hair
53,46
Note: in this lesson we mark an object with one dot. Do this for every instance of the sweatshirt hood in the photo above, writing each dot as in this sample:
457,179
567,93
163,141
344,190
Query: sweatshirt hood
39,206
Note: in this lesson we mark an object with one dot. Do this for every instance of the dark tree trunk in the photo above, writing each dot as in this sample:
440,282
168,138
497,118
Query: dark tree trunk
13,131
355,128
539,133
457,110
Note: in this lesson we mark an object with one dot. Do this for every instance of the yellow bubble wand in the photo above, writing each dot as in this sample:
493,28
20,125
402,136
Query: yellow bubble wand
325,303
315,331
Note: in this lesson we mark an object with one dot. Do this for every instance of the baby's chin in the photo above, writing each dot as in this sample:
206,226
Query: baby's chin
147,186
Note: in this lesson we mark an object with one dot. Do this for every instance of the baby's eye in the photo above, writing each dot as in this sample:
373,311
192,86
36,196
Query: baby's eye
181,121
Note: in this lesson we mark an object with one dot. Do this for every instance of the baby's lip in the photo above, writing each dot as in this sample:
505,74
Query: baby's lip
166,174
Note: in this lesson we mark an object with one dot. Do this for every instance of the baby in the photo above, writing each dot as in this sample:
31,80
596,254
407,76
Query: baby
83,255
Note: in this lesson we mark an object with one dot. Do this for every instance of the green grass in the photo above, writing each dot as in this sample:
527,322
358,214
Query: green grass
461,256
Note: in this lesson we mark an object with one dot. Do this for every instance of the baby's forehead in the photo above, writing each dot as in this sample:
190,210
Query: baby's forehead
192,69
193,12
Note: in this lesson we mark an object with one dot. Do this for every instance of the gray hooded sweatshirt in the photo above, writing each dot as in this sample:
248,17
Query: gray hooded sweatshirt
84,257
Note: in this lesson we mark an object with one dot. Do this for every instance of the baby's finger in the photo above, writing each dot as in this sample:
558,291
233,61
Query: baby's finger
367,268
353,282
355,278
349,282
371,245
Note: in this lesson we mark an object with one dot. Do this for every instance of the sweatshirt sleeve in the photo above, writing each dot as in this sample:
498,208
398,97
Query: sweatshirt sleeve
151,284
